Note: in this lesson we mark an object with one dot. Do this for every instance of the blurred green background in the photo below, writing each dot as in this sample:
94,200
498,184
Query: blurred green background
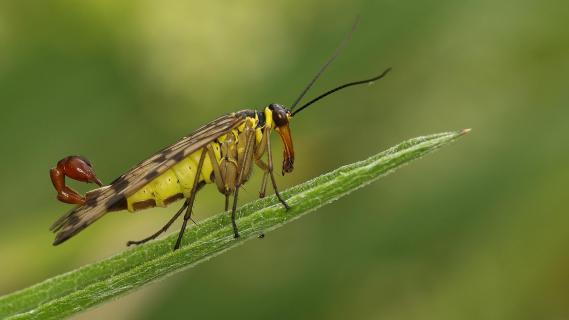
476,231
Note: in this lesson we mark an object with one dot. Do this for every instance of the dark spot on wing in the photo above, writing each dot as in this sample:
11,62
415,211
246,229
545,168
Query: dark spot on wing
152,174
73,220
119,185
179,156
161,158
92,202
117,205
114,199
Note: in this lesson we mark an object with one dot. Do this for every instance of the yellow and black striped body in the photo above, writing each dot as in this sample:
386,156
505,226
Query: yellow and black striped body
176,183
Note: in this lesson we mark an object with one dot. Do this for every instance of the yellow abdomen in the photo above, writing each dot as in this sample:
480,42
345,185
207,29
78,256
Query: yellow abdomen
175,183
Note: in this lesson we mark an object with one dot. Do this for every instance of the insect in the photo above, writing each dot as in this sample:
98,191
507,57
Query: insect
221,152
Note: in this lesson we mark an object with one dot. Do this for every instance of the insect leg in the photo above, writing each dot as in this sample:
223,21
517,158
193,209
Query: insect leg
233,223
259,152
219,176
262,146
263,190
270,156
163,229
246,163
261,164
188,214
227,201
219,179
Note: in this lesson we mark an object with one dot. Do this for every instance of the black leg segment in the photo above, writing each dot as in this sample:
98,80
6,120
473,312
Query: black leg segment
188,214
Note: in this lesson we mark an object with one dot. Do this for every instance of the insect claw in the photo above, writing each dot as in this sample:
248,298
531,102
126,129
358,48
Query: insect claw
68,195
77,168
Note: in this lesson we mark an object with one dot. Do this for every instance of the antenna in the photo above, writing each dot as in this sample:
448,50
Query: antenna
355,83
325,66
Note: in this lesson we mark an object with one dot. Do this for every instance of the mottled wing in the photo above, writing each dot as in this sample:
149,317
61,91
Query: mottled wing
101,200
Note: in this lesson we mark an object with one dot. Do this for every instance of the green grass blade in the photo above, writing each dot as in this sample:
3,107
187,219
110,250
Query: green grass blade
91,285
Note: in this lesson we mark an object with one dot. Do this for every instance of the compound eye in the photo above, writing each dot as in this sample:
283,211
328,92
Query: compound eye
280,118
